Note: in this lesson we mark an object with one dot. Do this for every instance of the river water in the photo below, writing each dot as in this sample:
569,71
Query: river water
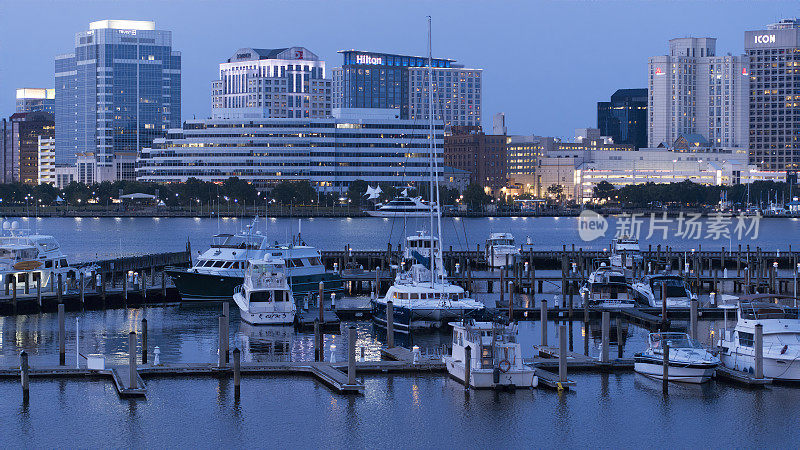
92,238
422,411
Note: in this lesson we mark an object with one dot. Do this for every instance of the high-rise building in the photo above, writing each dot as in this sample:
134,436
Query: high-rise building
624,118
35,99
118,90
483,156
20,146
47,160
385,80
774,75
261,83
693,91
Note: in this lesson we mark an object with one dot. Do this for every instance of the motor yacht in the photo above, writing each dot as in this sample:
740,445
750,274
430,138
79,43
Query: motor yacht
500,249
607,287
651,288
688,361
496,356
221,268
29,257
402,206
781,338
265,297
625,252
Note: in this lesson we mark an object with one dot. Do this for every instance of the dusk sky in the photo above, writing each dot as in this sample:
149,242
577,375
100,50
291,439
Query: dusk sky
546,64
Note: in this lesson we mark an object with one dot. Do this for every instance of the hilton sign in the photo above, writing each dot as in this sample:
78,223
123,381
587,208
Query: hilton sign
366,59
764,38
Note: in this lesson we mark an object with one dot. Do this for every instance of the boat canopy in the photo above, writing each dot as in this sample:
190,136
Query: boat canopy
753,310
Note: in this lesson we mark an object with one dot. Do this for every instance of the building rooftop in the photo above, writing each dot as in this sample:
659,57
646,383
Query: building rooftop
394,54
123,24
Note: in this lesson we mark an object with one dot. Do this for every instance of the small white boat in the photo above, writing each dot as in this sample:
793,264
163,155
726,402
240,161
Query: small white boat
496,357
265,298
625,253
688,361
607,287
403,206
781,338
651,288
26,258
500,250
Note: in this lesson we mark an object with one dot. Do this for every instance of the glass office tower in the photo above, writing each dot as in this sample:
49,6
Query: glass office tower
119,90
377,80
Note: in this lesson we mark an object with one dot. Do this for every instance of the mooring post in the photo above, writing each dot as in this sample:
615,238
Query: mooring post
511,297
665,365
322,302
759,348
83,290
543,320
144,341
606,325
27,285
562,353
60,289
24,370
223,341
163,284
390,324
14,292
317,346
619,336
237,369
351,355
467,365
62,352
132,374
39,291
693,318
226,309
125,287
663,306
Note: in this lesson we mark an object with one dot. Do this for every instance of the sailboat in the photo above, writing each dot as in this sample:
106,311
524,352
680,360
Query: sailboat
421,296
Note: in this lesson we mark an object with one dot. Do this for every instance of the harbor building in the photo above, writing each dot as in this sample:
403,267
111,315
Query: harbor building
20,145
774,113
624,118
483,155
692,90
118,90
261,83
35,100
386,80
374,145
578,169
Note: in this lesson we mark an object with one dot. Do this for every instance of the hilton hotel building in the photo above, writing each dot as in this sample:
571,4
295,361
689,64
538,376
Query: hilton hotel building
775,95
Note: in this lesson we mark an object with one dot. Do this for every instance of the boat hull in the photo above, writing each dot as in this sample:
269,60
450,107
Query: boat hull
484,378
682,372
498,258
411,214
200,287
777,369
406,319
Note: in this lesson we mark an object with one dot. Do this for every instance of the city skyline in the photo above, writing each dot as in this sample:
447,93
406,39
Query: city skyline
546,102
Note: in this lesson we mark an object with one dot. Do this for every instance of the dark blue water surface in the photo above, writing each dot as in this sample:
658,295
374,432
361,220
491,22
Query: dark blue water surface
91,238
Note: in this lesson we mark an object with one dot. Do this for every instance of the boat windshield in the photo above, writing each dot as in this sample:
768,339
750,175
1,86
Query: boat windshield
237,241
675,340
673,287
502,242
758,311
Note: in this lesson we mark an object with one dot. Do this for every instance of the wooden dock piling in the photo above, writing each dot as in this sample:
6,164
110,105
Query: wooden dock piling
144,341
24,370
759,351
62,352
223,341
467,365
543,322
351,355
390,324
317,346
606,324
133,375
237,370
665,367
562,353
693,318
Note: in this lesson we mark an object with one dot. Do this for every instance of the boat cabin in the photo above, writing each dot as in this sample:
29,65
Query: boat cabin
491,344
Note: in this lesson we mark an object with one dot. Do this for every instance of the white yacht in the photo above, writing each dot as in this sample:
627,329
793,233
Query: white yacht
221,268
781,338
625,252
607,287
402,206
500,249
649,289
421,295
688,361
495,355
29,257
265,297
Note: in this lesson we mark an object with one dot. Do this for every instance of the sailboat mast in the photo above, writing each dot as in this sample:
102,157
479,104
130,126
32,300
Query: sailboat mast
431,144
